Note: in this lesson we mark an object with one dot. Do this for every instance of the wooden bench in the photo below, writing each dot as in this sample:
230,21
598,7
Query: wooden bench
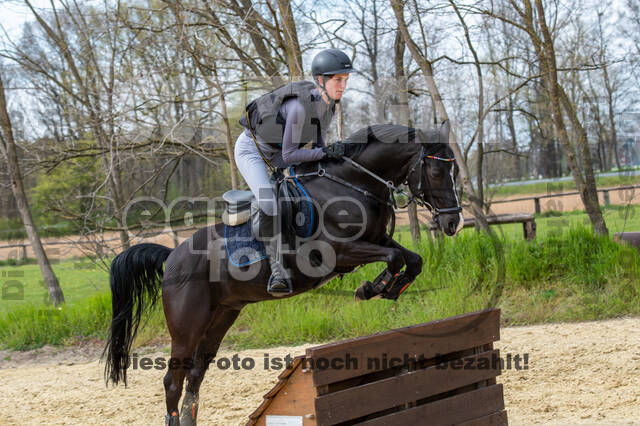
632,238
528,223
398,377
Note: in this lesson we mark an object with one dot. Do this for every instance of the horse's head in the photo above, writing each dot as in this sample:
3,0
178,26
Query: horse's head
433,179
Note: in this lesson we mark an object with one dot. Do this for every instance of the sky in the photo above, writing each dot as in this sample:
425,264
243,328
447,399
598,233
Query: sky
13,15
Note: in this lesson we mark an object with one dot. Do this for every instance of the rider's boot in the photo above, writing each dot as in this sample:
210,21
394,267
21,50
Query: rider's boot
279,281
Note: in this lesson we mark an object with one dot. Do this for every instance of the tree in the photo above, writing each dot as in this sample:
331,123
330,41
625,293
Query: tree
9,151
533,22
427,70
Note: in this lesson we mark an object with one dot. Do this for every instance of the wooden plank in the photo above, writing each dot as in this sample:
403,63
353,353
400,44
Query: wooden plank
495,419
529,230
253,417
294,364
274,391
456,409
394,391
368,354
501,219
295,398
632,238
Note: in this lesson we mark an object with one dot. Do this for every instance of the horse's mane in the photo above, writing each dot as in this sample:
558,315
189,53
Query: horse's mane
357,142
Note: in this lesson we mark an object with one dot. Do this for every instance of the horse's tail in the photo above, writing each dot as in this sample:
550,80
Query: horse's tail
136,277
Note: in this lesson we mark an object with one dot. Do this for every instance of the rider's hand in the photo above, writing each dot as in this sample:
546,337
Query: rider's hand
335,150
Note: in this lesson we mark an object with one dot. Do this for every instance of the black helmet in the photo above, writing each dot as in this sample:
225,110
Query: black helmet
331,61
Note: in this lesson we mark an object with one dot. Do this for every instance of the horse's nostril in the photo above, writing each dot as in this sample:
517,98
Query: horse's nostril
452,227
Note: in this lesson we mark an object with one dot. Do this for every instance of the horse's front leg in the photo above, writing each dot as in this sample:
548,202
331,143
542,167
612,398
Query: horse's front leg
358,253
390,284
411,259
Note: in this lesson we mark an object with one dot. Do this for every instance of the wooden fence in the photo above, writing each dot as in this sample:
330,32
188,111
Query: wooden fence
409,376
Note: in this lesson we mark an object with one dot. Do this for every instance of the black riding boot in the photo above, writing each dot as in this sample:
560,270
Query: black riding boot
279,282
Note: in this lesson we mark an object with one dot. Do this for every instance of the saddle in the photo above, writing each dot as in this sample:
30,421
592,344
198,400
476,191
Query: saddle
297,214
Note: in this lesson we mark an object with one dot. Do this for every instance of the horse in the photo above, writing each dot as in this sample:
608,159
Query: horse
202,294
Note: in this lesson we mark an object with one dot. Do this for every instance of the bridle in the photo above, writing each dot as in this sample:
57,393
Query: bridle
419,197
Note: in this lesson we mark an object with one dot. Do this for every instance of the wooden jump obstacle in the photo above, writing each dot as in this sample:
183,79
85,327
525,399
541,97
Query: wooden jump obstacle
438,373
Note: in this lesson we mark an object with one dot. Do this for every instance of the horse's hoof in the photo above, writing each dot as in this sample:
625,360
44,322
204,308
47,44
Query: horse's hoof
172,419
366,292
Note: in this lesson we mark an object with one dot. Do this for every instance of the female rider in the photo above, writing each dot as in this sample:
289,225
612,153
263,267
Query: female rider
277,125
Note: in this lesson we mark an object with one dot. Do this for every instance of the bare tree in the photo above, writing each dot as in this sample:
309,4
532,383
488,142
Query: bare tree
481,107
8,150
402,116
427,70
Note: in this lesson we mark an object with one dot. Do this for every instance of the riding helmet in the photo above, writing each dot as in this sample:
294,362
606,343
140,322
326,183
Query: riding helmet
331,61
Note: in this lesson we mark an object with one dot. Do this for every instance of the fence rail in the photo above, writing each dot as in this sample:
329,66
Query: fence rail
174,231
536,199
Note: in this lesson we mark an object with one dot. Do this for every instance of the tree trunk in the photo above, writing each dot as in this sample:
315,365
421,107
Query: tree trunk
401,111
559,100
294,55
613,147
514,141
427,70
8,148
233,168
476,60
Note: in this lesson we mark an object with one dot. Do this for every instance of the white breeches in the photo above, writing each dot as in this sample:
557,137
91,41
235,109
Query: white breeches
255,173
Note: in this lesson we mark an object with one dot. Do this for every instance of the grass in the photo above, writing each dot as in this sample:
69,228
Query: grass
566,274
569,275
79,279
29,320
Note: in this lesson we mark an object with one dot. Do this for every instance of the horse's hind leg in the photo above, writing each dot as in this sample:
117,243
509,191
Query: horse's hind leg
207,349
188,315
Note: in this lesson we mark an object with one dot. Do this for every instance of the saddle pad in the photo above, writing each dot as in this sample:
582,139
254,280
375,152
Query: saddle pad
242,247
303,212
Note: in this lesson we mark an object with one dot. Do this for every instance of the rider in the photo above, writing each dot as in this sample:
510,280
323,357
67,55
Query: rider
277,125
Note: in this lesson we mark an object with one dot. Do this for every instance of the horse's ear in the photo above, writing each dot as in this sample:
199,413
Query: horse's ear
444,130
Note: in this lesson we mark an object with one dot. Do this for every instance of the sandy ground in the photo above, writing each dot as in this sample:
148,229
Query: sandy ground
581,373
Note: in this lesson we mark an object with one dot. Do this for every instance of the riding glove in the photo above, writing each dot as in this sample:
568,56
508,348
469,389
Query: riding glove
335,150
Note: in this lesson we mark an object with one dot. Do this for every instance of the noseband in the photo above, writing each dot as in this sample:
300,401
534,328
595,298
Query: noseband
419,198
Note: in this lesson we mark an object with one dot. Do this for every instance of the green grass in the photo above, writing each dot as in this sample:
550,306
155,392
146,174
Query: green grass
79,279
565,186
566,274
29,320
569,275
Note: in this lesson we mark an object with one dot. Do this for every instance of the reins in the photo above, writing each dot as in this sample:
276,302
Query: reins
391,201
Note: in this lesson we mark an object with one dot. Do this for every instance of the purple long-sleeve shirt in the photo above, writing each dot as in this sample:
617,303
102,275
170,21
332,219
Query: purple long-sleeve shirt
294,114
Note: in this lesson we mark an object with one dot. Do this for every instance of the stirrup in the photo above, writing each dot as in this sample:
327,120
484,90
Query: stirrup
282,286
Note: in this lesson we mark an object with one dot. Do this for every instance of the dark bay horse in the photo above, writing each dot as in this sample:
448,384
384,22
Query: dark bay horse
203,293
